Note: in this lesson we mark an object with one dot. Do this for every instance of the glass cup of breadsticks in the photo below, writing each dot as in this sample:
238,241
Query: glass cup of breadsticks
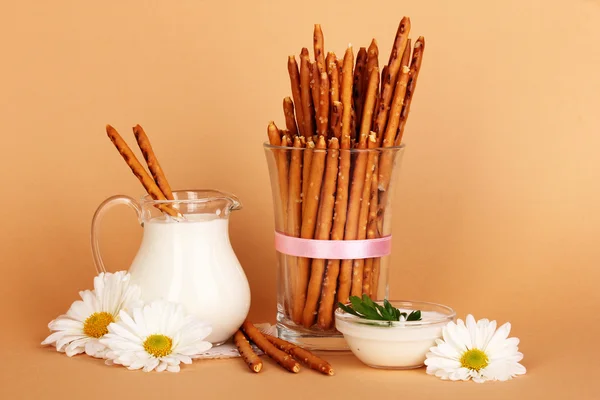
333,169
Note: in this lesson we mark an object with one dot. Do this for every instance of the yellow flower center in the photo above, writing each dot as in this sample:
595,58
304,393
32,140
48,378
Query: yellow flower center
158,345
96,325
474,359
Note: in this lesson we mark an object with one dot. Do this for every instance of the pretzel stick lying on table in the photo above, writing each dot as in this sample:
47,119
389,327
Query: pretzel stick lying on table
309,220
322,232
152,161
245,349
282,358
139,171
305,356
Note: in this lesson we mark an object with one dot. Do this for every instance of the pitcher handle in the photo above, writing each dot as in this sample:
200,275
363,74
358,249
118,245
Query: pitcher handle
102,208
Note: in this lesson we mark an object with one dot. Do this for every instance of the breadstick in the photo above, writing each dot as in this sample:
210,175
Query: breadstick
384,72
389,80
249,356
372,232
359,88
325,314
372,60
314,87
322,232
369,105
348,276
340,65
307,231
336,119
308,111
308,153
290,119
323,108
296,93
363,215
334,78
152,161
280,357
305,356
282,167
139,171
295,190
375,278
319,47
415,67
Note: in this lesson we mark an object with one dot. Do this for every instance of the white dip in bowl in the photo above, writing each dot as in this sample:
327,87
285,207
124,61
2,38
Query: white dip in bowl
394,344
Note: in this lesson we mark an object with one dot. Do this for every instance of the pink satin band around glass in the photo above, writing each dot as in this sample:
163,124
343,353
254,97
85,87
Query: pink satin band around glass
333,249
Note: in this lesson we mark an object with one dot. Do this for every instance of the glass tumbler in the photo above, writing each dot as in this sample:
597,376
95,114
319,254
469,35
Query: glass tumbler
332,210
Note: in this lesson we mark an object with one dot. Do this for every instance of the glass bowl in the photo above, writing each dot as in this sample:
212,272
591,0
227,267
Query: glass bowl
395,344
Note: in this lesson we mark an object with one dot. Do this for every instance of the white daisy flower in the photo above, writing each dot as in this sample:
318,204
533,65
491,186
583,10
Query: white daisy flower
158,336
87,319
475,351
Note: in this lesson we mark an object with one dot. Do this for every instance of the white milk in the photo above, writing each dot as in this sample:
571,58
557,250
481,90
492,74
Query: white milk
192,262
402,346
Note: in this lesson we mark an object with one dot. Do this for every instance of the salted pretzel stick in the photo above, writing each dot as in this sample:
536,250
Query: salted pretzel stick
389,80
334,78
399,112
305,356
372,232
415,67
340,65
322,232
290,119
139,171
336,119
363,216
372,60
384,72
314,87
359,87
308,154
152,161
325,314
249,356
282,167
319,47
296,93
309,220
323,108
308,111
280,357
295,190
347,275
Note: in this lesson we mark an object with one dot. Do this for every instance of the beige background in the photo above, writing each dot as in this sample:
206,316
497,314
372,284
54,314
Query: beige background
497,212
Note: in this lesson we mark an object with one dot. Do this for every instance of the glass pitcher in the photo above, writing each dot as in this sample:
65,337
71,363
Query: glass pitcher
188,260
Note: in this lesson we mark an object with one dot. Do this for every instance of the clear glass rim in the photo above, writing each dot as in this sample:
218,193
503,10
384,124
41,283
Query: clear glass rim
268,145
217,195
448,316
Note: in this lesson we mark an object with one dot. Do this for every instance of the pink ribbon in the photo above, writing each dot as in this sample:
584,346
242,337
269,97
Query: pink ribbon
333,249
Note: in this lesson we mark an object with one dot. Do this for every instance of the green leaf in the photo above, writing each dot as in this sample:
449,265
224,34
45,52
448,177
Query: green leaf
365,310
347,309
414,316
384,312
